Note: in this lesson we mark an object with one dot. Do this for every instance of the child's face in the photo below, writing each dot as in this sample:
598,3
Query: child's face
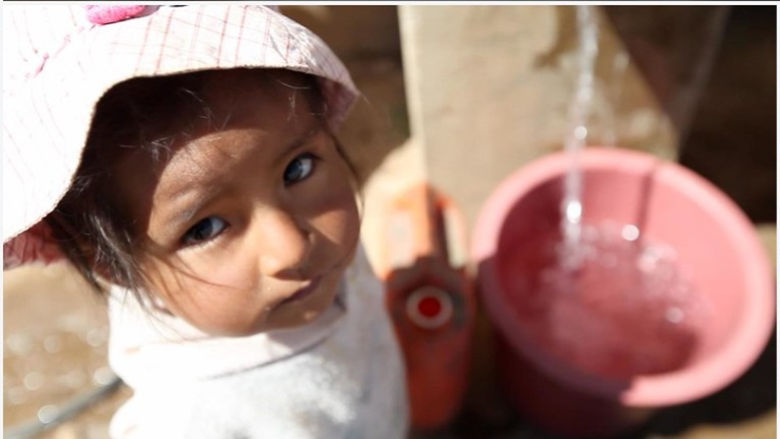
253,220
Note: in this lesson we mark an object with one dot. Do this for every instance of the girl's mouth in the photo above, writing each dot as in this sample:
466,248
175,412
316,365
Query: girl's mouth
303,292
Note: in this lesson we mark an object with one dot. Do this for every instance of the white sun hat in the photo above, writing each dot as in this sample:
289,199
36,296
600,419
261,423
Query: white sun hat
59,60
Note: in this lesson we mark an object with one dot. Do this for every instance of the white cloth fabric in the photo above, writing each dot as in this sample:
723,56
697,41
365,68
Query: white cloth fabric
340,377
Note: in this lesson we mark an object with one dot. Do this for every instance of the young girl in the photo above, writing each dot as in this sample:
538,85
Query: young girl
183,159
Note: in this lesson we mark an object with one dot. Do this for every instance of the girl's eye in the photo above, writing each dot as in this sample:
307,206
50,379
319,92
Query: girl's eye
205,230
300,168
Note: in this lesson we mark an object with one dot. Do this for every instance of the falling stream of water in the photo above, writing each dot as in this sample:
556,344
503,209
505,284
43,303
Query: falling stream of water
602,296
578,113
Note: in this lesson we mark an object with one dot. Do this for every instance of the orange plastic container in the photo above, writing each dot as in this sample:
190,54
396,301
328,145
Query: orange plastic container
430,300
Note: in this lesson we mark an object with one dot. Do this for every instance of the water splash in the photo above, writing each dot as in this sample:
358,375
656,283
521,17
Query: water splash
627,310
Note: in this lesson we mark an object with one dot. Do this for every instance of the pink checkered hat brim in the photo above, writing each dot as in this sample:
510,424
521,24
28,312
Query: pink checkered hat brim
57,65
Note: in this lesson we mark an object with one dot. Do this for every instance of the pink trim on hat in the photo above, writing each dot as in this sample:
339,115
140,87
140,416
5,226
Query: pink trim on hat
105,14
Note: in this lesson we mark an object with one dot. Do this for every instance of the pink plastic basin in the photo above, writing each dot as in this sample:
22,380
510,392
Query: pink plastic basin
716,245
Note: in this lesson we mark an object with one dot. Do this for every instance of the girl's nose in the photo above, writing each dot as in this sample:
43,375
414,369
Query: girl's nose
284,244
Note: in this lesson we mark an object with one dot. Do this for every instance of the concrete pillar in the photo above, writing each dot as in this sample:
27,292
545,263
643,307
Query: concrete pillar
488,90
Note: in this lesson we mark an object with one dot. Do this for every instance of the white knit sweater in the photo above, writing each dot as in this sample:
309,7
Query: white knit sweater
339,377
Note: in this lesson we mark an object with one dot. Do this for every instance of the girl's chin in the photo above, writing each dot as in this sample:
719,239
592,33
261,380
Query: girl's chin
289,315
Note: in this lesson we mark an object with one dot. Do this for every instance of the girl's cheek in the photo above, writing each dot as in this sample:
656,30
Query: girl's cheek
211,297
231,266
334,192
336,216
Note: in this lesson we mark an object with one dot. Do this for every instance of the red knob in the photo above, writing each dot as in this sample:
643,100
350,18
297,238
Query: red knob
429,307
